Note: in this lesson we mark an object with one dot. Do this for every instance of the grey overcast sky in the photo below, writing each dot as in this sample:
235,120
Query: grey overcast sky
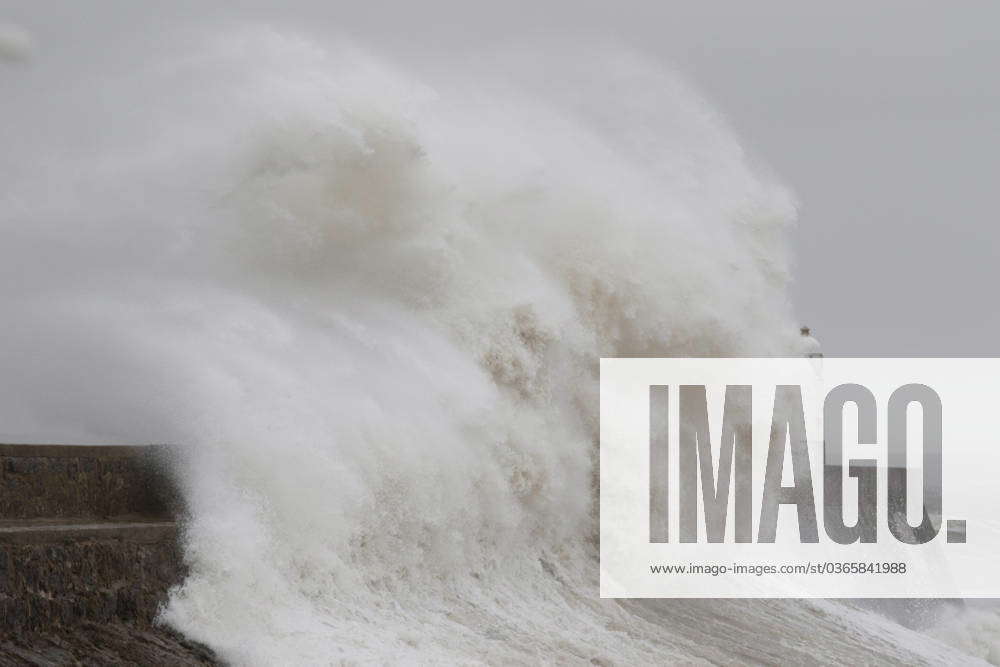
883,117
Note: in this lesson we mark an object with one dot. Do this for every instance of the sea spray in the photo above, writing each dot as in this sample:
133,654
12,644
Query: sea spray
371,309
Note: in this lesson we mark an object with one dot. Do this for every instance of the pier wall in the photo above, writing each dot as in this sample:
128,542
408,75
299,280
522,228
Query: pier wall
89,548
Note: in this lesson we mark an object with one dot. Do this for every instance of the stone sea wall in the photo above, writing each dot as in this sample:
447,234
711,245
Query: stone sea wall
54,481
89,549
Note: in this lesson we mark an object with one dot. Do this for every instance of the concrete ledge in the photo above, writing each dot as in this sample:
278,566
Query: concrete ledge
48,532
77,451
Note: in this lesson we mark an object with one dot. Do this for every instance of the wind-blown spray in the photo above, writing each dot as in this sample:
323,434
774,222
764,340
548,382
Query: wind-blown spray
372,310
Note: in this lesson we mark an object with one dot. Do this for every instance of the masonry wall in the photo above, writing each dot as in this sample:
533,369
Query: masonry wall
89,549
59,481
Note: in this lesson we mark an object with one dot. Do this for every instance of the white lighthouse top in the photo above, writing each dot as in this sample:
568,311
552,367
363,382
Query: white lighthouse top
810,346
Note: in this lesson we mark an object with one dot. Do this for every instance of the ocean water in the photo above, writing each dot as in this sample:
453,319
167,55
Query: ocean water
370,305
